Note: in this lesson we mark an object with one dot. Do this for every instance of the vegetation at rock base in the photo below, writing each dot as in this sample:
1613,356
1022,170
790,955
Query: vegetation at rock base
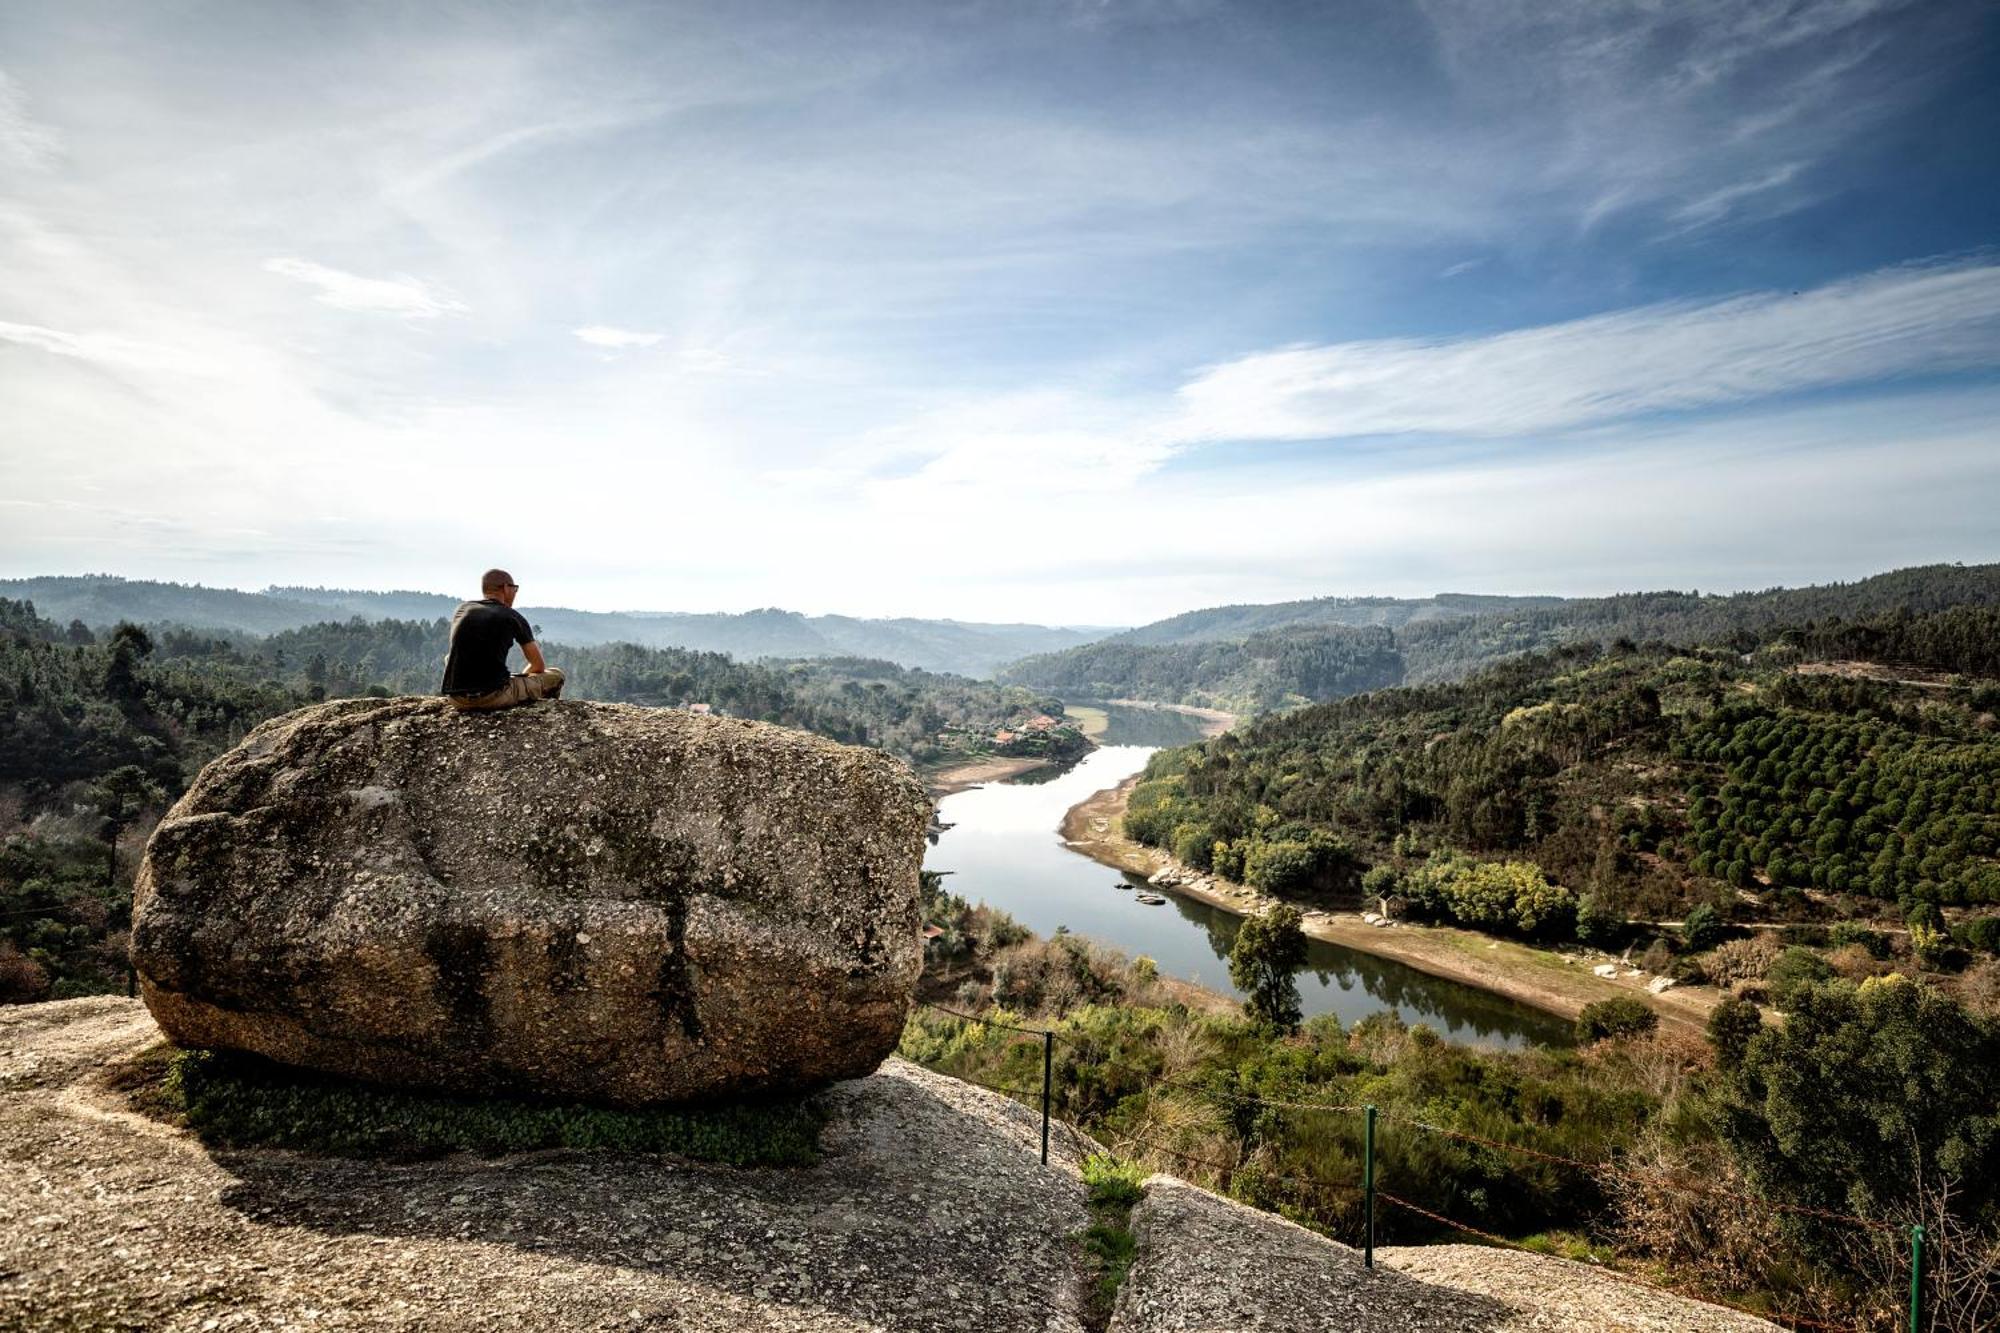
1107,1243
237,1101
101,731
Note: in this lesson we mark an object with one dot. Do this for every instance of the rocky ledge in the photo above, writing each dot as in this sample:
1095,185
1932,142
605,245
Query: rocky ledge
930,1211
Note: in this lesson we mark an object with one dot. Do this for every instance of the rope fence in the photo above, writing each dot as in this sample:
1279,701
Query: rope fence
1371,1191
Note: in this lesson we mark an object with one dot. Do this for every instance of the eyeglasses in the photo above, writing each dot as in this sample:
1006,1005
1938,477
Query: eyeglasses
514,586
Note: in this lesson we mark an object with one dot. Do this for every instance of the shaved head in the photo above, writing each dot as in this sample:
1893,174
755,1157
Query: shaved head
493,580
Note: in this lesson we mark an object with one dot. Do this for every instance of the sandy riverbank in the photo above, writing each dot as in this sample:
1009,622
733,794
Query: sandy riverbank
1533,976
977,773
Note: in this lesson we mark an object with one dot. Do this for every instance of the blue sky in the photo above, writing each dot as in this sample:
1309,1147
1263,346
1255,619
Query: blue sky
1082,312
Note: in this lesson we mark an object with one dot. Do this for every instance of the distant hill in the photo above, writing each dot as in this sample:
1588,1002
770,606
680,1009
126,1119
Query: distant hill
957,647
1269,669
1262,657
1224,623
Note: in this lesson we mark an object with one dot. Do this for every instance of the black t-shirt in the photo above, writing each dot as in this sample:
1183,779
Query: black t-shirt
482,633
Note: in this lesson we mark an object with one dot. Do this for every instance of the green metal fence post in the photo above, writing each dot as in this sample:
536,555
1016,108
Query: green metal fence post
1916,1280
1368,1189
1048,1068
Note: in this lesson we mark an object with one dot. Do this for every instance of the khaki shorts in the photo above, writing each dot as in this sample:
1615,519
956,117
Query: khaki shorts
519,690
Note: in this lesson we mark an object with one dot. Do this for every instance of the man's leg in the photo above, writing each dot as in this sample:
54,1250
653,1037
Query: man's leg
546,684
510,695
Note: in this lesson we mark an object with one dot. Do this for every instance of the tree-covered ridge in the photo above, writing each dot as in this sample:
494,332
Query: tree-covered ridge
1268,670
102,601
1896,617
100,733
1228,623
1446,650
1644,781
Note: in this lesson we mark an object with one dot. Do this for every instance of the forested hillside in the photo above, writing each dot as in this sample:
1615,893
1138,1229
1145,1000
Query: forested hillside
1215,657
1639,782
1272,669
1445,651
1225,623
960,647
98,733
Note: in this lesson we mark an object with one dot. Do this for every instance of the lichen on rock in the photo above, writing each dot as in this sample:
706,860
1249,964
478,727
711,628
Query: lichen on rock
574,899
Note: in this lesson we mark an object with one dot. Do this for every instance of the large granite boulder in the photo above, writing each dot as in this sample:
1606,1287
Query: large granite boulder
623,904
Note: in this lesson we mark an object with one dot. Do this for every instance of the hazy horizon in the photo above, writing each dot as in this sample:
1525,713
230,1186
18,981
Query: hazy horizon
1059,313
531,603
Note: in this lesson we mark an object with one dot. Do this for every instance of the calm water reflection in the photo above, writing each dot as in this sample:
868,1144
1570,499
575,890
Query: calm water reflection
1003,848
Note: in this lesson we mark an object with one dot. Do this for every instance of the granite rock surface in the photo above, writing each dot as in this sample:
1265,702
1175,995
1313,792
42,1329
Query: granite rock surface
622,904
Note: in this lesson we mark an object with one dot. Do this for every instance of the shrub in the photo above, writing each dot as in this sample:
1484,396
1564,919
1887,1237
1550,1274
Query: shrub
1851,932
1979,932
1743,960
1795,969
1702,930
22,979
1730,1028
1658,958
1596,923
1612,1019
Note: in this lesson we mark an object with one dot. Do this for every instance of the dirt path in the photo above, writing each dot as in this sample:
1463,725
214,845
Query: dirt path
1540,977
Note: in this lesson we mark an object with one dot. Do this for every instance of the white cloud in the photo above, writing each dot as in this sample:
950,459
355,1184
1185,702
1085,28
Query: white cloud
1719,204
1651,359
604,335
400,295
24,142
101,348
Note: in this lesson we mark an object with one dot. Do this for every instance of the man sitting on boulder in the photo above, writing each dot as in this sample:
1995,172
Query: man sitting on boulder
482,632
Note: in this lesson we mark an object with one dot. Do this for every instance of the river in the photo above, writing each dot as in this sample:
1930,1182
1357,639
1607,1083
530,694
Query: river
1003,848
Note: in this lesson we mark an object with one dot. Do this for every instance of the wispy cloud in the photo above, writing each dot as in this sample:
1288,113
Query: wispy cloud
24,141
1720,203
1658,358
616,339
400,295
101,348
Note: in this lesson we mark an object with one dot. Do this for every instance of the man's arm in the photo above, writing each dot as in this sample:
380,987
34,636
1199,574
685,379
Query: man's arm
533,652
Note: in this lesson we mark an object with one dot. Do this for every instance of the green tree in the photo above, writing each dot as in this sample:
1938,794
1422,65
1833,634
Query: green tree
1731,1026
1702,930
1864,1090
121,796
1269,950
